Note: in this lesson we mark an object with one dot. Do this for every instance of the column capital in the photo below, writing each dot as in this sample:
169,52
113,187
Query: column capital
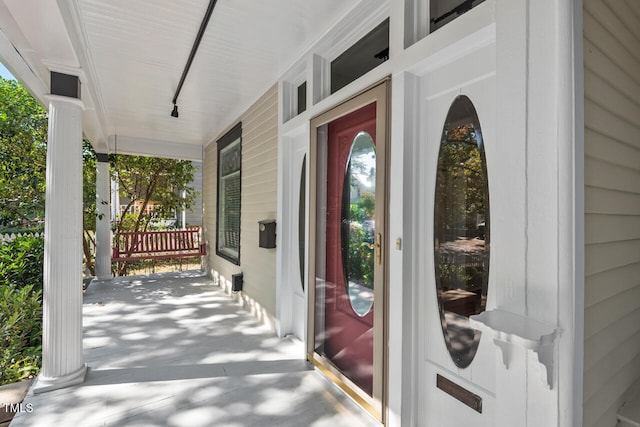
65,84
59,99
102,157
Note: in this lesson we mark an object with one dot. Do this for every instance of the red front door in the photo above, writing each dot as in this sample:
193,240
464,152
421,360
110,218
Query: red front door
348,340
349,225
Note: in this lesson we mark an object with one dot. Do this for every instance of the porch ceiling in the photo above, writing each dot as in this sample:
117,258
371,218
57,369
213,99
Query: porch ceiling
130,56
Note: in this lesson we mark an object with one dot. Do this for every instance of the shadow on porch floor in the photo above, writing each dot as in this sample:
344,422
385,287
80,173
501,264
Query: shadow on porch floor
172,349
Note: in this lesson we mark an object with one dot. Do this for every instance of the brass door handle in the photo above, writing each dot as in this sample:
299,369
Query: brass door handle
378,248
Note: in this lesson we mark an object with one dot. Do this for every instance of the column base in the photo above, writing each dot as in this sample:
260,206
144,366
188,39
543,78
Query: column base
98,279
48,384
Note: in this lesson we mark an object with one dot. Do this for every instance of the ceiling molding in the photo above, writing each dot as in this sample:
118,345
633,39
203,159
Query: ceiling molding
13,48
72,17
22,70
122,144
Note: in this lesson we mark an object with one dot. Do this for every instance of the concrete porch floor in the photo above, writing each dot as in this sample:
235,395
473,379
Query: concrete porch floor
173,349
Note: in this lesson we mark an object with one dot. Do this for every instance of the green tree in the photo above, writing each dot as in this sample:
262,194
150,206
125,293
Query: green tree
146,181
88,204
23,139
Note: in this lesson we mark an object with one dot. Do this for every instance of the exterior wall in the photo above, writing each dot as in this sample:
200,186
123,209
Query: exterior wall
517,60
532,173
259,199
612,207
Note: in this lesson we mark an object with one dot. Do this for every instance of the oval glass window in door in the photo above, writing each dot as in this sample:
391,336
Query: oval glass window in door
302,212
461,229
358,222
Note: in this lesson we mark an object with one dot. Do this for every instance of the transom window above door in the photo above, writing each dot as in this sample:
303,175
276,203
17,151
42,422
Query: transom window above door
424,17
362,57
441,12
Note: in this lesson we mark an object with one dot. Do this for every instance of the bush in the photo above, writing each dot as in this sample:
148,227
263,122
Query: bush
21,262
20,333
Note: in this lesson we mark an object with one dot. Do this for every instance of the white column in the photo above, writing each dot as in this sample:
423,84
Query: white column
183,217
115,200
103,226
62,357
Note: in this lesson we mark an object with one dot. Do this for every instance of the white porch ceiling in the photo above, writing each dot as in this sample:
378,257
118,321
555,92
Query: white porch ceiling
130,56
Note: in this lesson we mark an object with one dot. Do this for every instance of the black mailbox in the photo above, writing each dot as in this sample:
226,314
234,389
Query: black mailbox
236,282
267,233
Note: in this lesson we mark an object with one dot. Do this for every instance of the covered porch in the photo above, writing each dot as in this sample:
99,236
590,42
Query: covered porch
115,73
173,349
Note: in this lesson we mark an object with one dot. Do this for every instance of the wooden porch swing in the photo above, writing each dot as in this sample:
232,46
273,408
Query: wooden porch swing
154,245
146,245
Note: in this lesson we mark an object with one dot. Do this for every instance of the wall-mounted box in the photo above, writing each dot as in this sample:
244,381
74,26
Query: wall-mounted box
267,231
236,282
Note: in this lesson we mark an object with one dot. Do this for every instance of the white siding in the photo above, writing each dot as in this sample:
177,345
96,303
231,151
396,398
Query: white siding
612,207
259,201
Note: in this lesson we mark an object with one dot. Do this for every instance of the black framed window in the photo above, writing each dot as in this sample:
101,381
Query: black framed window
229,192
302,98
444,11
365,55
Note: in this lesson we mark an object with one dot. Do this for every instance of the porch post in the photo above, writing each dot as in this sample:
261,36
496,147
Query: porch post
103,226
62,357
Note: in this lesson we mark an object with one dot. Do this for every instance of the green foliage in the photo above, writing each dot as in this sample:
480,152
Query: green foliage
21,263
89,186
461,183
360,263
152,180
163,183
364,208
20,333
361,253
23,137
89,210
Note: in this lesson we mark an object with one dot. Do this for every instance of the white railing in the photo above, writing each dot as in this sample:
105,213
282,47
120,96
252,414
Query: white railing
10,237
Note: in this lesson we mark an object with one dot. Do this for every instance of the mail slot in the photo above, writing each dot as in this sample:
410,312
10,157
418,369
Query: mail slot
267,231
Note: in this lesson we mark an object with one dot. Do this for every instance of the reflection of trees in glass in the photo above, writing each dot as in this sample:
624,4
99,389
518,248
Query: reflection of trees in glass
358,212
461,184
460,209
461,229
361,241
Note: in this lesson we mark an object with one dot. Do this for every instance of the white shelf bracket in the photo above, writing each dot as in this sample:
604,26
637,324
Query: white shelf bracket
510,330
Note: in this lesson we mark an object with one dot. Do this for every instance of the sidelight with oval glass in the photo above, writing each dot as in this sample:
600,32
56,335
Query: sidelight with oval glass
461,229
302,211
358,223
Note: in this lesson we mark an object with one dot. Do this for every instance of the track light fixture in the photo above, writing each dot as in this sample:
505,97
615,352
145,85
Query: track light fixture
192,54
